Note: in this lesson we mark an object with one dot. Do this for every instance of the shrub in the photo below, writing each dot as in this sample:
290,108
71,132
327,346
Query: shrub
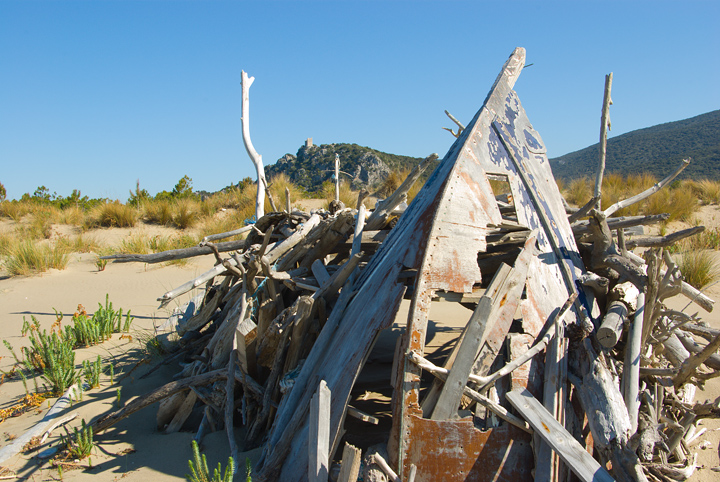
91,372
93,330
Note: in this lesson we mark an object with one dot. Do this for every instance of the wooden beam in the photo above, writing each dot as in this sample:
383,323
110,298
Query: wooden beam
555,435
319,435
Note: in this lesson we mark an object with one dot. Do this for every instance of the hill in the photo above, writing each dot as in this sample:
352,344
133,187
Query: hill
362,166
656,149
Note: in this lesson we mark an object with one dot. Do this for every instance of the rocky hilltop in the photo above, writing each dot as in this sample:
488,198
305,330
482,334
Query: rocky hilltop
362,166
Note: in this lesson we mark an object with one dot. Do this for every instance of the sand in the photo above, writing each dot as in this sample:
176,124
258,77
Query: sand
134,448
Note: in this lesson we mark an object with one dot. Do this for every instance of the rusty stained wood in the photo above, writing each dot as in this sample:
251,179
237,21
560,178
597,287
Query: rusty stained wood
454,450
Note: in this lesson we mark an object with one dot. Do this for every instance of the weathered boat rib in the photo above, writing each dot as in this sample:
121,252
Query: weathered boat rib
499,142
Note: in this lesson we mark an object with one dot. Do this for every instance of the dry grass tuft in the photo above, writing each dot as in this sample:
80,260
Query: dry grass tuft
112,214
698,268
28,257
578,191
277,186
347,196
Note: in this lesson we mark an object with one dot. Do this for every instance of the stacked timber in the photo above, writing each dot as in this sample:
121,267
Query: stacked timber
569,350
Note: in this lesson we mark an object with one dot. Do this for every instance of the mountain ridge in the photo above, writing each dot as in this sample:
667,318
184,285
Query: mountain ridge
657,149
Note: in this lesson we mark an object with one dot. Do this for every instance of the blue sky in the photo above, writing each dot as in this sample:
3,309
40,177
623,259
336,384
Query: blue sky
95,95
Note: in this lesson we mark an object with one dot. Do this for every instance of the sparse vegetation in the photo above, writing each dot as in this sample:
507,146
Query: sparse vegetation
51,354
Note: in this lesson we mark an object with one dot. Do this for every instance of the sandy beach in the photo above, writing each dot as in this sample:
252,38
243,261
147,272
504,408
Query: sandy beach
135,448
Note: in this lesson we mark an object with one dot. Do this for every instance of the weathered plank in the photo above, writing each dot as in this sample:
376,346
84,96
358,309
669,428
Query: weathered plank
319,434
555,435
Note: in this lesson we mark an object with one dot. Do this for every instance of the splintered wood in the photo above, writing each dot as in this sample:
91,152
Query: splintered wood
554,364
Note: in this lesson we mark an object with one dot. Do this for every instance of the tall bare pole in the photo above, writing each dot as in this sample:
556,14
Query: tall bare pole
337,177
256,158
604,127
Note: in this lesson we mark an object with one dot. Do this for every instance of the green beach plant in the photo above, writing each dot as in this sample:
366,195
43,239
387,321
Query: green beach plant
53,355
81,444
199,469
91,372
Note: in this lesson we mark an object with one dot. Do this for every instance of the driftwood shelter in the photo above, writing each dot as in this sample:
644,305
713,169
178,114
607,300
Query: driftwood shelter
529,390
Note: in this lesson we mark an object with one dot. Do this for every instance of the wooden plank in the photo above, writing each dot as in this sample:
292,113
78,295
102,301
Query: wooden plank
555,435
320,272
183,413
319,435
350,467
245,335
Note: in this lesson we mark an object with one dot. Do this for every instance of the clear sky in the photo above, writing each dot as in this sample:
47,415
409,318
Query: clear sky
97,94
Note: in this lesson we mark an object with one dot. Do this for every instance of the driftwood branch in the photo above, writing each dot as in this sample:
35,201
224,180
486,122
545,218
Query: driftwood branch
155,396
256,158
174,254
49,419
604,127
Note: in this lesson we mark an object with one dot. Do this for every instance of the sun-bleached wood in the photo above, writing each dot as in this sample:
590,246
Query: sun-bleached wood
319,434
16,446
604,127
256,158
562,442
631,371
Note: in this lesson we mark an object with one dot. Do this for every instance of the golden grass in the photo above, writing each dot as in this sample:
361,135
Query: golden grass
158,212
707,190
80,244
186,212
679,200
29,257
579,191
14,210
277,186
391,183
112,214
698,268
224,222
347,196
680,203
72,215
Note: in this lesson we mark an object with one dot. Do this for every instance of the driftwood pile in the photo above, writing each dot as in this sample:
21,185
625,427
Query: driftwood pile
561,372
